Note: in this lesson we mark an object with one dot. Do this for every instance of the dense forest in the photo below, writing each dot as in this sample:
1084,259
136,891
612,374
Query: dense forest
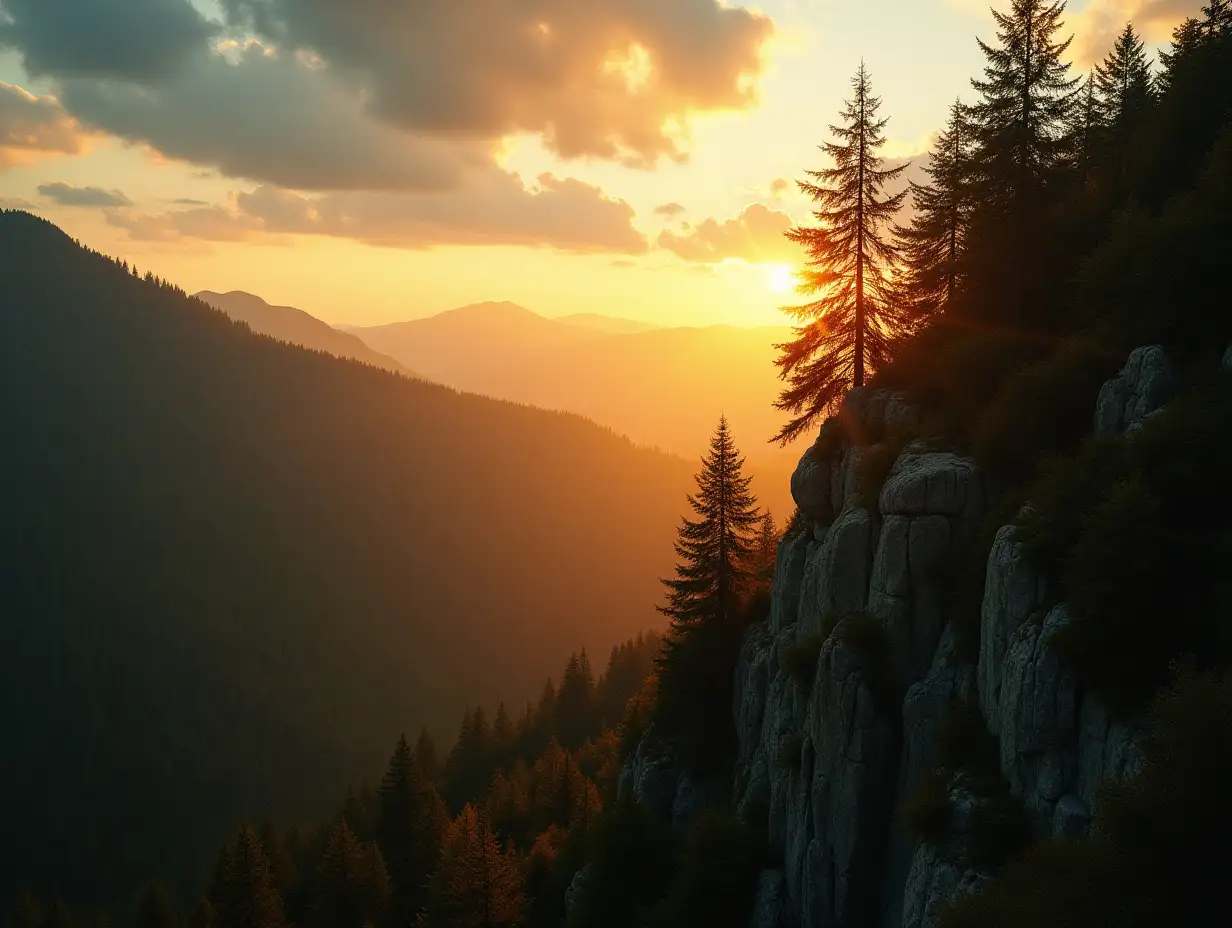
1066,219
232,569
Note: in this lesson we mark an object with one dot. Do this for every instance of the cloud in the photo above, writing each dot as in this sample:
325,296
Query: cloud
496,209
33,126
68,195
779,186
139,39
1098,25
270,118
668,209
755,235
609,78
16,203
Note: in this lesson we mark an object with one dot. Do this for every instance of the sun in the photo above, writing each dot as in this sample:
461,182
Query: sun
780,279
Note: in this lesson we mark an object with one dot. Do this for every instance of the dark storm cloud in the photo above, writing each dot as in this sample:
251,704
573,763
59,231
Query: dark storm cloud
140,39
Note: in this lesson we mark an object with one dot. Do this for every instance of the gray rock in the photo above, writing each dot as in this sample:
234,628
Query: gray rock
1013,590
931,883
788,572
693,796
1037,722
938,483
851,774
1145,383
576,885
836,573
899,414
810,487
1071,817
769,904
651,776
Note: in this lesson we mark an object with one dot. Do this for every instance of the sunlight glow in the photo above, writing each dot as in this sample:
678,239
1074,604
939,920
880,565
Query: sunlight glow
781,279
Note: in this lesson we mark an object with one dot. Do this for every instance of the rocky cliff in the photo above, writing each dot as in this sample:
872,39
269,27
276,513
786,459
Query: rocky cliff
843,693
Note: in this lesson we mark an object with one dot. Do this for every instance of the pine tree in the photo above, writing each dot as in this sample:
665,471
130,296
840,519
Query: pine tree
1124,84
932,245
1088,123
409,828
766,549
1217,17
1186,38
282,866
351,888
243,894
1021,126
850,325
477,885
58,916
705,601
154,909
575,702
714,549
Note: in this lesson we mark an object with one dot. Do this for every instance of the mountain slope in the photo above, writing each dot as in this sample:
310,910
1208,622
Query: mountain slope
296,327
459,346
233,570
664,388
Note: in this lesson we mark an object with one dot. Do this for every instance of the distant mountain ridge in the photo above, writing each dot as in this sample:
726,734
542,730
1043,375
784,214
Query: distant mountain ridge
233,570
296,327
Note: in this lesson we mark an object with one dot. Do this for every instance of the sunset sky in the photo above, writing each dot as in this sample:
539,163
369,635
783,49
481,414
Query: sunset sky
377,160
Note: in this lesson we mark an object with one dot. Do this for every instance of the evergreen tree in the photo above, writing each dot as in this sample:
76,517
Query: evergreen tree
1124,85
849,327
705,601
932,245
243,894
477,885
1217,17
427,757
714,549
1185,40
1088,123
409,828
154,908
351,888
575,702
766,549
282,865
1021,125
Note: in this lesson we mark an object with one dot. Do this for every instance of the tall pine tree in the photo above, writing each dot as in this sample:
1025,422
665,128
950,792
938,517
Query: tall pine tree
849,326
1021,126
409,826
1126,90
932,245
705,601
477,885
154,908
350,888
243,894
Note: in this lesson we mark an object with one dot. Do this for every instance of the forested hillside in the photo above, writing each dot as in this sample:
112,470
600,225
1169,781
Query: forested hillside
232,570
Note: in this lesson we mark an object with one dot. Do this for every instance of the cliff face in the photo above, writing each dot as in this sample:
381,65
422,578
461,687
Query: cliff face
828,756
828,752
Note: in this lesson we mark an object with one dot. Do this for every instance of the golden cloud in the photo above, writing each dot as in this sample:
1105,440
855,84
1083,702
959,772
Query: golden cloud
756,235
35,127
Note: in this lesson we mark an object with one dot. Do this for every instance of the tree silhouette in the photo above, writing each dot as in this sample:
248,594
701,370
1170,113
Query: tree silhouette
1126,90
1021,125
848,328
705,601
476,884
409,828
243,894
351,888
932,245
714,549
